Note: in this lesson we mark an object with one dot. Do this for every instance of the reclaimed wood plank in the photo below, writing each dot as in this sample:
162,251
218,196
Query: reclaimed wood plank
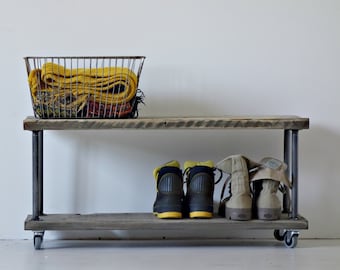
223,122
146,221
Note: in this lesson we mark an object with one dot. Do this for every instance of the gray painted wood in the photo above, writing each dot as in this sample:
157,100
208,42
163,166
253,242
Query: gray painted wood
223,122
146,221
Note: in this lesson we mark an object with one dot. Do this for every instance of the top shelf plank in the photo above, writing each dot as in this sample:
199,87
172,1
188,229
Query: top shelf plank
222,122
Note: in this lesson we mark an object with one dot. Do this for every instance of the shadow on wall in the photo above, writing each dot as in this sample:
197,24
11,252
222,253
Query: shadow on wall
185,89
188,89
319,181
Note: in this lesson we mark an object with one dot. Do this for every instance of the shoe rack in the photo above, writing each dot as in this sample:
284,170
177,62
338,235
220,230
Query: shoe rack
286,229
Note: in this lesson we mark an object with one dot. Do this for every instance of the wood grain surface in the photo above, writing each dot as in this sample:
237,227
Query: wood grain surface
147,221
223,122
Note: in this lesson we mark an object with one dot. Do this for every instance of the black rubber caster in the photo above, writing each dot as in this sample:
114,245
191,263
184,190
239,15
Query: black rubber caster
37,240
291,239
279,235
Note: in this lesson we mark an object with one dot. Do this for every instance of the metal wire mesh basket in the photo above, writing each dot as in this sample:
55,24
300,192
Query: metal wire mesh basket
85,87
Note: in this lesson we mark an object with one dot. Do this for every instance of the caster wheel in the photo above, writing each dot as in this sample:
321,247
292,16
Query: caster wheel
279,235
290,240
38,239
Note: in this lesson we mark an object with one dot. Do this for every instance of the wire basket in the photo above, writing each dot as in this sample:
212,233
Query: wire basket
85,87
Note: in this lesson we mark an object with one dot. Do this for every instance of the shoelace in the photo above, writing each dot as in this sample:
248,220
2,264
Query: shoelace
228,182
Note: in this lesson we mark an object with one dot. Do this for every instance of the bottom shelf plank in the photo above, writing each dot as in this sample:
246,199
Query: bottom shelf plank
147,221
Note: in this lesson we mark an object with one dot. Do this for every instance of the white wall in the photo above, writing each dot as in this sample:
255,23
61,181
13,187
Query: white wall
203,58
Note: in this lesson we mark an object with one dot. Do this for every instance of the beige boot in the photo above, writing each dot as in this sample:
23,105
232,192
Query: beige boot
239,205
268,204
271,173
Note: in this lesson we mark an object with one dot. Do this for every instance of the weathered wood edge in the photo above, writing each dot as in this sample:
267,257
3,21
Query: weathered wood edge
146,221
225,122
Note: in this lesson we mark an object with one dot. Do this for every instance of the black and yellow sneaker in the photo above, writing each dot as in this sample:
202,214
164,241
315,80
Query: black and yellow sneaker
200,188
169,199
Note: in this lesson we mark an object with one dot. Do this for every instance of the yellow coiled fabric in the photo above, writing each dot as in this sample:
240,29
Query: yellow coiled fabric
68,88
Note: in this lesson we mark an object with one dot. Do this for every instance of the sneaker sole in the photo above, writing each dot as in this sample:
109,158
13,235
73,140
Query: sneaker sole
268,213
238,213
200,214
168,215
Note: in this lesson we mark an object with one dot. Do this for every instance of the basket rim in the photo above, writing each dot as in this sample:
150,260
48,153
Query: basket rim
86,57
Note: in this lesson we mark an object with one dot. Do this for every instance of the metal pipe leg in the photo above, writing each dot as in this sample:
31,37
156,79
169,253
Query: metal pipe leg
294,163
287,160
36,173
40,172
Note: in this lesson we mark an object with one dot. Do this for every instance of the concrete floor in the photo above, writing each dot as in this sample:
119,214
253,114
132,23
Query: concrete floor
169,254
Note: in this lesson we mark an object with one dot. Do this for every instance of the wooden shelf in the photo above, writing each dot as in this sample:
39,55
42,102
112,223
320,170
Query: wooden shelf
224,122
146,221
